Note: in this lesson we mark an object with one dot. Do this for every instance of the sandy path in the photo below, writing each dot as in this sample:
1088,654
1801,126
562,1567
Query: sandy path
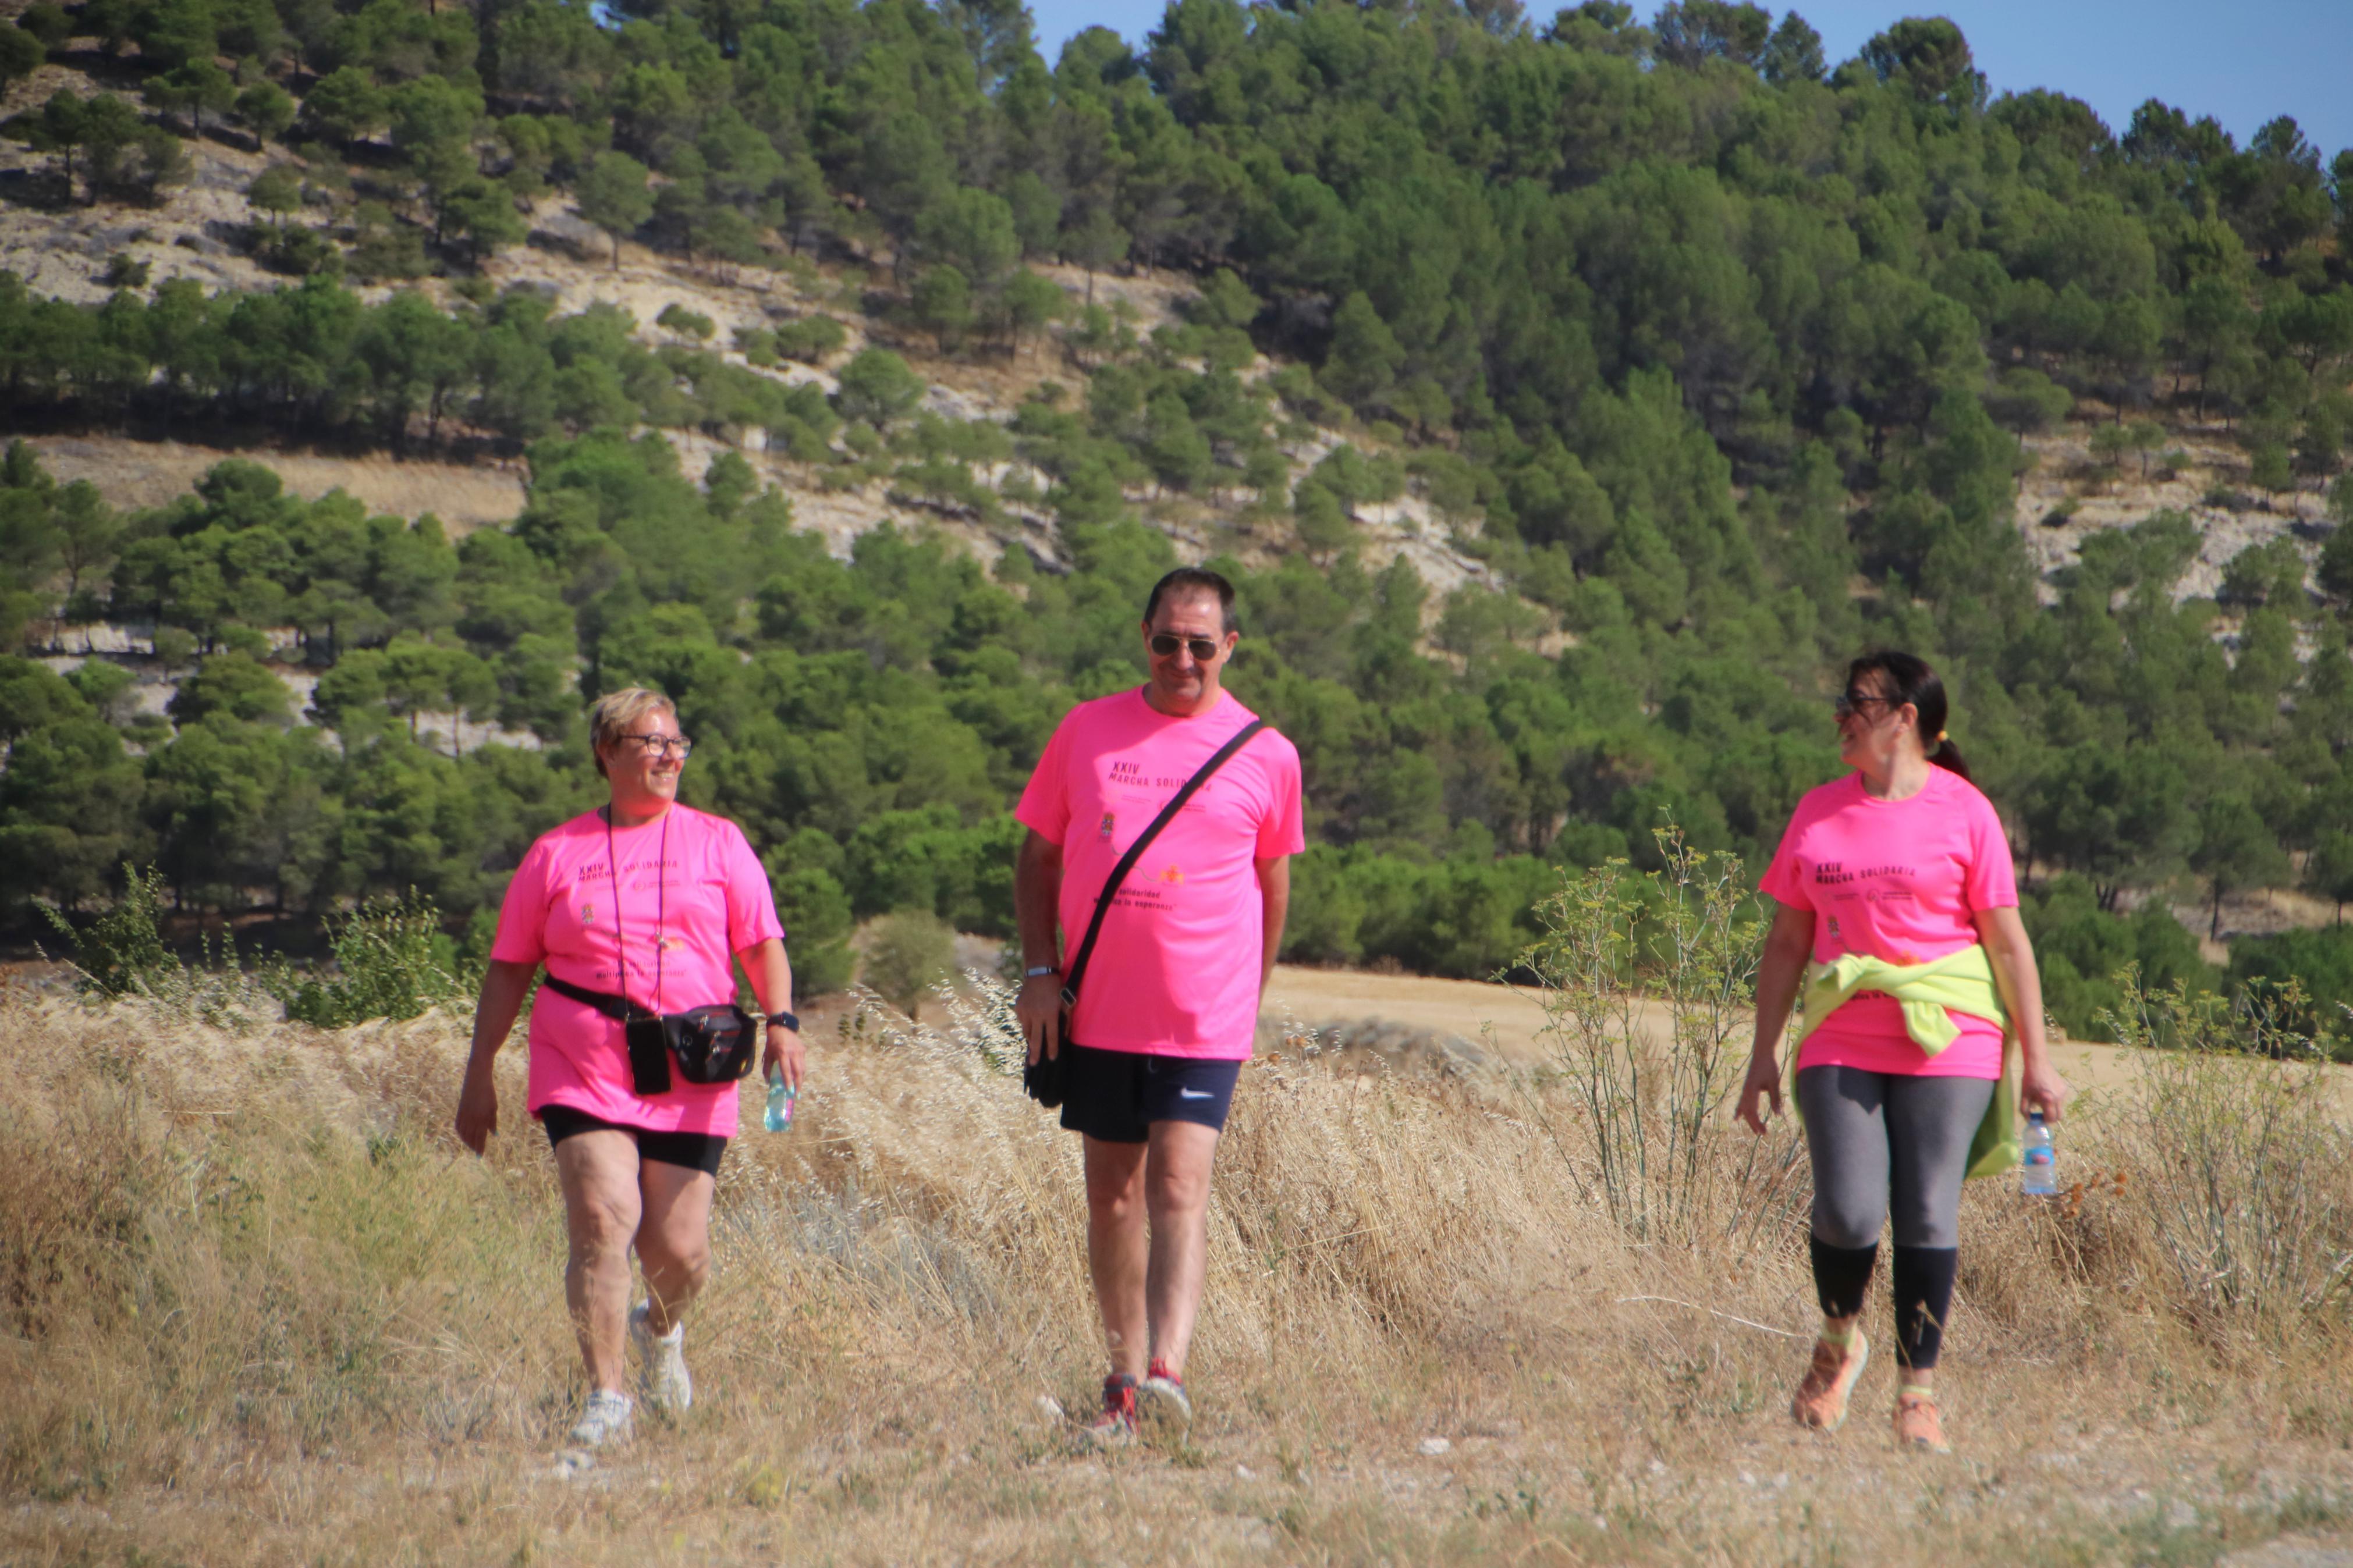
1470,1008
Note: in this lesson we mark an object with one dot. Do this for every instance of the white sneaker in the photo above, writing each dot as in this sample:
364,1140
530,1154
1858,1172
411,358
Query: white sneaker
669,1387
606,1421
1160,1399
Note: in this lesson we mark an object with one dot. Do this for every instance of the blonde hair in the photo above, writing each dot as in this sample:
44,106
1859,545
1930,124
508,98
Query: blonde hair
611,716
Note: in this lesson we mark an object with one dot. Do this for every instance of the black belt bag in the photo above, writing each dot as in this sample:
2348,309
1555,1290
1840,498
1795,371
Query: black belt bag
712,1045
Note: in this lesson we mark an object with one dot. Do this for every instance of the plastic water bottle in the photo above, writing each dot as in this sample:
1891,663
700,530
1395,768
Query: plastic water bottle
780,1101
2038,1174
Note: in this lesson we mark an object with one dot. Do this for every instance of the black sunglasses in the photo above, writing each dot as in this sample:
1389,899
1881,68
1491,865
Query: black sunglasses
1166,644
1848,702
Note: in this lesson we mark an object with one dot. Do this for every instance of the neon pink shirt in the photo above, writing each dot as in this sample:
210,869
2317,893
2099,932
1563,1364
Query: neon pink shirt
1899,880
1176,971
701,894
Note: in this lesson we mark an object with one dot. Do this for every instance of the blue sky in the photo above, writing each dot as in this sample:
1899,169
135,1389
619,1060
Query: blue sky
2242,63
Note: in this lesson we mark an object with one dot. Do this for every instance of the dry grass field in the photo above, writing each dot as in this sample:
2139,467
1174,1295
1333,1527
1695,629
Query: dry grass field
1510,1021
133,473
259,1308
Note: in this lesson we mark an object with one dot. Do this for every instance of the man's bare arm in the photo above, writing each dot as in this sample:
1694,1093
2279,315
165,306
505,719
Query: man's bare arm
1037,902
1275,904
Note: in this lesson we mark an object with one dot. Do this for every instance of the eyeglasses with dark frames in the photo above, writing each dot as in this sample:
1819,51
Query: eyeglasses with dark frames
662,745
1166,644
1847,703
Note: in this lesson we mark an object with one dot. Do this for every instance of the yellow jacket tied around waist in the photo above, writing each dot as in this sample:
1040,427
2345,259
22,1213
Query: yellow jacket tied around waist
1930,995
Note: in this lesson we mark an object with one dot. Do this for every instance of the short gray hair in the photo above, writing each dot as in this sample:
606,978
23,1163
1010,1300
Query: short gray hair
611,716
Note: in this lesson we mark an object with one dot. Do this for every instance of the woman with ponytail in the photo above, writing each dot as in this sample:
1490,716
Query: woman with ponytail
1899,917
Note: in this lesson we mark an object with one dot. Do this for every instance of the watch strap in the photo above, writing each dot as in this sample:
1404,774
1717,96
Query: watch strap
789,1020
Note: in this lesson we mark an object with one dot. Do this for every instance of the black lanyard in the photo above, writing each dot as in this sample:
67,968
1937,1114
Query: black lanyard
661,910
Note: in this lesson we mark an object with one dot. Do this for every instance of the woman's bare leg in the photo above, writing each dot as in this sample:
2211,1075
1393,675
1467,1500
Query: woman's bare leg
599,1173
673,1238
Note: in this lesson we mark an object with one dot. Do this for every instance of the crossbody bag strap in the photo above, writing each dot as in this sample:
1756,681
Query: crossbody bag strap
1134,851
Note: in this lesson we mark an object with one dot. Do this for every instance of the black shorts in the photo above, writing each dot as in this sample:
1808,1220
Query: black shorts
1116,1096
695,1151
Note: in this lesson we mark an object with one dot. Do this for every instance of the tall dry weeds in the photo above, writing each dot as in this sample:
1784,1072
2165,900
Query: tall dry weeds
1649,989
261,1308
2247,1175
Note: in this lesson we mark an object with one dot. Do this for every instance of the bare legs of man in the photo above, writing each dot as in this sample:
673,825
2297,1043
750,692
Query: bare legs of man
1148,1243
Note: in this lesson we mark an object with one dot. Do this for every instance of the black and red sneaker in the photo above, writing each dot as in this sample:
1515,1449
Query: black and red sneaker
1116,1425
1160,1399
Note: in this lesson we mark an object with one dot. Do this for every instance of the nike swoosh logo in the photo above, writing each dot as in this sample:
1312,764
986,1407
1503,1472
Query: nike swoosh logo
1193,1094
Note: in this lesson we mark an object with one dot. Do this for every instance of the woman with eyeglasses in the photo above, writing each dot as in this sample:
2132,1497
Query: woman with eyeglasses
640,908
1899,917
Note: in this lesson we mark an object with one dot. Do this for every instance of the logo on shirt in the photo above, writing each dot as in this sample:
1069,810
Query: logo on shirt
1102,834
1175,873
1831,872
587,914
1131,775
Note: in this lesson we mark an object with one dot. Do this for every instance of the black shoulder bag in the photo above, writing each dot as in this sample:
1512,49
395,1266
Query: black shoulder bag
712,1045
1043,1077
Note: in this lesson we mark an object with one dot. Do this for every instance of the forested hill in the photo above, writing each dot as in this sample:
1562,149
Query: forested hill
1718,359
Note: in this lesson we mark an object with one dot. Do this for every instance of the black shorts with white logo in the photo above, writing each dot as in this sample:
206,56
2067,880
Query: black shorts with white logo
1116,1096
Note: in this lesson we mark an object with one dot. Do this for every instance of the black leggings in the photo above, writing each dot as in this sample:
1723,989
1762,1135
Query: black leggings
1874,1137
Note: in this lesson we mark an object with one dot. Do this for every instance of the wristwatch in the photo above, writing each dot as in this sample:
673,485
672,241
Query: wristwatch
789,1020
1035,970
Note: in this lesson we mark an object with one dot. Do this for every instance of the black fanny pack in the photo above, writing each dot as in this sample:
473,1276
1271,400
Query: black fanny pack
712,1045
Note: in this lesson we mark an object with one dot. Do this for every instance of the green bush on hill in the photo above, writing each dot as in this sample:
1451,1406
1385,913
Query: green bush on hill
2321,965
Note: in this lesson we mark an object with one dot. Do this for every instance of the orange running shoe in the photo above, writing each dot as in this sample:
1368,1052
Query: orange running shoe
1115,1427
1918,1423
1822,1398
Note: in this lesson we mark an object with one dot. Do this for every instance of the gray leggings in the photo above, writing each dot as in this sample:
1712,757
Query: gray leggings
1876,1137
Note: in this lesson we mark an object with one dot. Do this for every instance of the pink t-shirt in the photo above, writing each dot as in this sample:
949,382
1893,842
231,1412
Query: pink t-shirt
1176,971
1899,880
689,882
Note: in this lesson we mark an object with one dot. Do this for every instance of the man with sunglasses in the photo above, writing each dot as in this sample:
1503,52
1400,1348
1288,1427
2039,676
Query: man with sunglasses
1168,1007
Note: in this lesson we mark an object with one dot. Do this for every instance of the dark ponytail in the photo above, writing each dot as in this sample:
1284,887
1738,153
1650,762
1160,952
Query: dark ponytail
1904,679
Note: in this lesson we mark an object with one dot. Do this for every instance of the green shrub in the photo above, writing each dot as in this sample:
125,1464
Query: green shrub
300,252
392,960
757,346
2318,965
686,323
2082,949
907,952
878,387
1656,1145
121,954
